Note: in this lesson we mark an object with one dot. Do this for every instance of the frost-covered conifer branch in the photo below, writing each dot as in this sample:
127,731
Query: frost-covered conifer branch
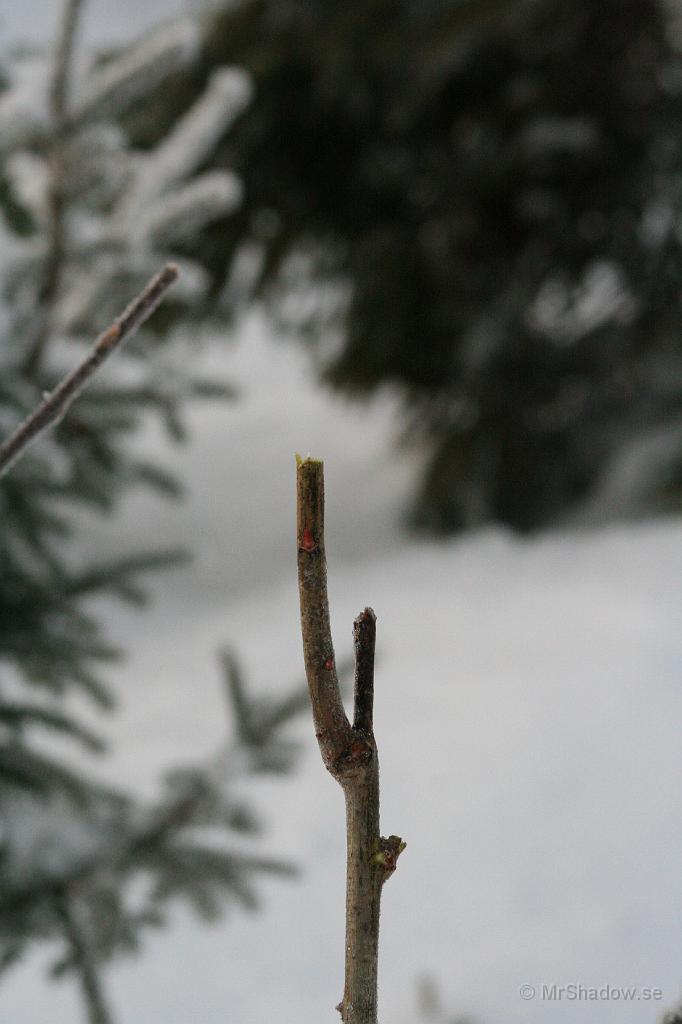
56,163
117,84
194,135
55,403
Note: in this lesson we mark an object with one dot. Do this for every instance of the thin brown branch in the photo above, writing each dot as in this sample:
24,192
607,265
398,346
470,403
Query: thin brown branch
56,199
348,752
55,403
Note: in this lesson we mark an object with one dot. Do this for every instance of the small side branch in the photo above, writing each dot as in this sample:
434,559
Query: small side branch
364,636
55,403
348,752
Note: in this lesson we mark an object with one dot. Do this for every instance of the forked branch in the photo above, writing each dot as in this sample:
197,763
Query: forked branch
348,752
55,403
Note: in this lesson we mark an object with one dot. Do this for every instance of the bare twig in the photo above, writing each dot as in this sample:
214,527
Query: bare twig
56,200
348,752
55,403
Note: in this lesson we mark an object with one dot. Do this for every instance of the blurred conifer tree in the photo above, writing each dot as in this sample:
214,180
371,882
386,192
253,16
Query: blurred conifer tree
84,219
487,195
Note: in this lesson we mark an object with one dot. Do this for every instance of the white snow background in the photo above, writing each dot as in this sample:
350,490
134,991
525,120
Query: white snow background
529,695
528,708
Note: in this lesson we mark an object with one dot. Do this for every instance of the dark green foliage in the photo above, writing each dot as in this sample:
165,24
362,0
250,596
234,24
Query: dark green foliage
497,185
49,640
18,217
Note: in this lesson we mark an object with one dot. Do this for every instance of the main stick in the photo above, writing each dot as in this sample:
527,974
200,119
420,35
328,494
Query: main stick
348,751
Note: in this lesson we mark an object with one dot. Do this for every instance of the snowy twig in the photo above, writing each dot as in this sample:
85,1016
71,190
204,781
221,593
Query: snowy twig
55,403
59,111
348,752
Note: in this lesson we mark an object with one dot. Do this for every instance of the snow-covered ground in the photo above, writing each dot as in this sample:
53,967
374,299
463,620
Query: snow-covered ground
529,695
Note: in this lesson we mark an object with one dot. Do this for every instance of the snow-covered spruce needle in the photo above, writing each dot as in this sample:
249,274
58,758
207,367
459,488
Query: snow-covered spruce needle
55,403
